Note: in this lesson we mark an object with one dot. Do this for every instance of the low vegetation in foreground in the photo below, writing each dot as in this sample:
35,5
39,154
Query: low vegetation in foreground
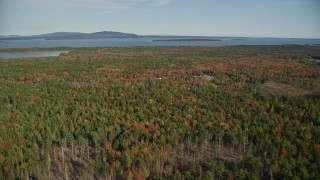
242,112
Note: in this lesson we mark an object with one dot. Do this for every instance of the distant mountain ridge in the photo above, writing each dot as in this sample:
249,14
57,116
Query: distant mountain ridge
73,35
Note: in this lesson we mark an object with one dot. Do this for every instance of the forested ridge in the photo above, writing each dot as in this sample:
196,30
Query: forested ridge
238,112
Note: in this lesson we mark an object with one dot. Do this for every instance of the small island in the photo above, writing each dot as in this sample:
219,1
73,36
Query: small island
237,39
199,39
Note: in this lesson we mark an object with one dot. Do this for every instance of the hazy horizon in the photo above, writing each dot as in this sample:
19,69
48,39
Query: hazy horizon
232,18
164,35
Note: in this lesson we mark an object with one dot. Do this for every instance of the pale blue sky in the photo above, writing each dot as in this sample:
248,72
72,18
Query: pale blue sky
250,18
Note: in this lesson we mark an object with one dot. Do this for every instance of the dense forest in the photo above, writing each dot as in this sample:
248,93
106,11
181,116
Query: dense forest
239,112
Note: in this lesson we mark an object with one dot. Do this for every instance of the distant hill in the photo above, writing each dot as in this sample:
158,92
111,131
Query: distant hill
73,35
10,36
59,34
